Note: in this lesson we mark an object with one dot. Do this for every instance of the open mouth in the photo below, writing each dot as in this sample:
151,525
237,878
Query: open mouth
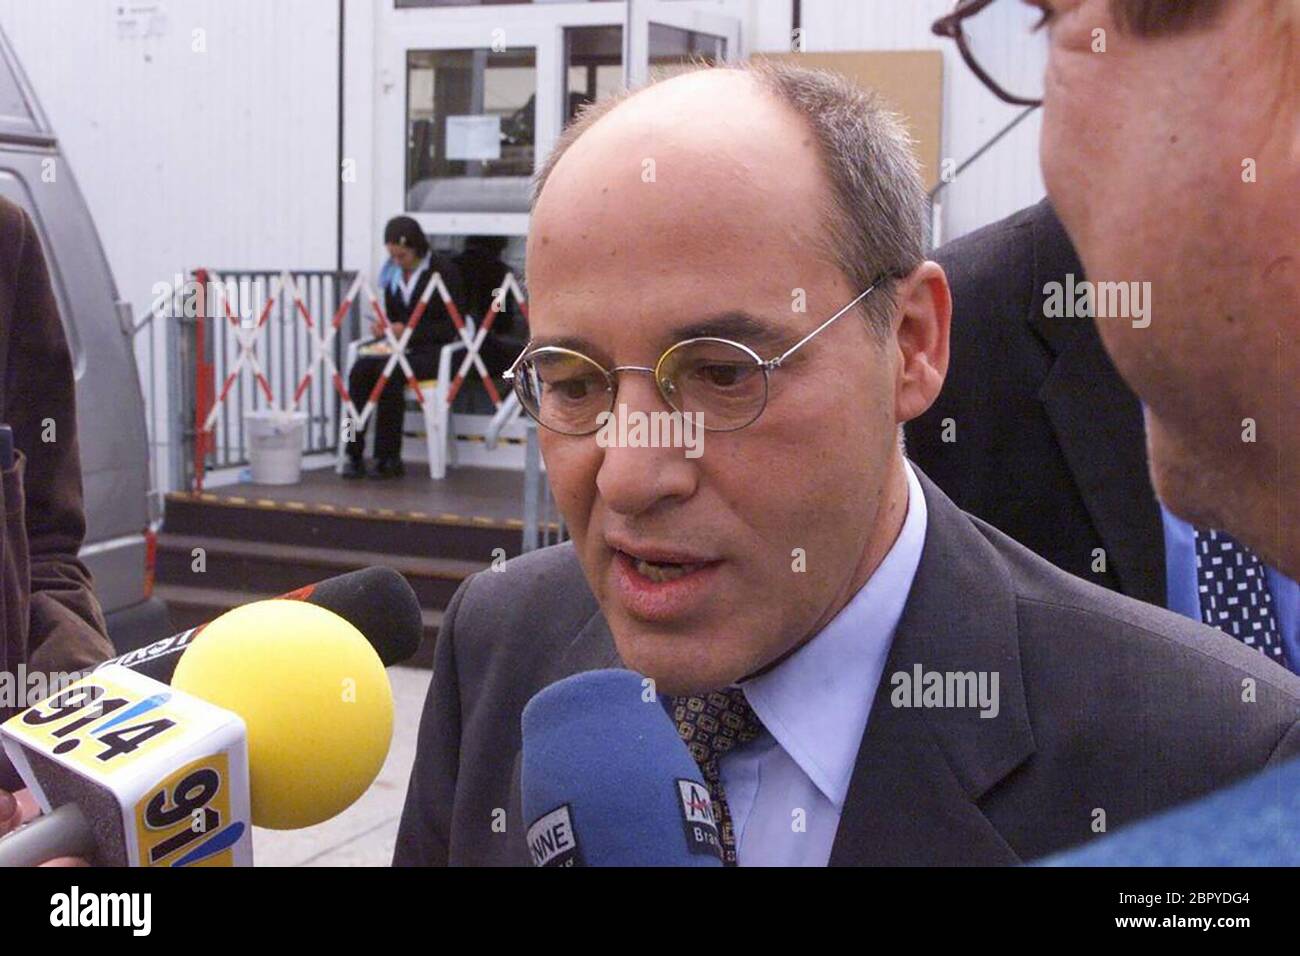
662,586
662,571
661,566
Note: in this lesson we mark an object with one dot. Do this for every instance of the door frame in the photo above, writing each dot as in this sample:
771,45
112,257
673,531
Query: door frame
672,14
539,26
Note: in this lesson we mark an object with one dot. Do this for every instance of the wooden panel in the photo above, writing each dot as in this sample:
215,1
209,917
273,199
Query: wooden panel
911,82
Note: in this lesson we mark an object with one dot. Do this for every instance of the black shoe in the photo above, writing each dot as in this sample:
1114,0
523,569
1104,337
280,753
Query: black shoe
354,468
386,468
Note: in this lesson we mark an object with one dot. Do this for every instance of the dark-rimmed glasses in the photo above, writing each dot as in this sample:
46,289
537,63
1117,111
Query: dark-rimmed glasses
975,39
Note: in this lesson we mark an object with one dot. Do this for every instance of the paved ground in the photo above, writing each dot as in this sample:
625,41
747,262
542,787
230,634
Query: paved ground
364,834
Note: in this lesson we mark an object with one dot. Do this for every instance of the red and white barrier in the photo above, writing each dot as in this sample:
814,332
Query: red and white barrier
322,336
508,287
246,340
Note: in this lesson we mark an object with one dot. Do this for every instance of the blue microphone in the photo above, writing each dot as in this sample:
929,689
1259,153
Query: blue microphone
1255,822
607,781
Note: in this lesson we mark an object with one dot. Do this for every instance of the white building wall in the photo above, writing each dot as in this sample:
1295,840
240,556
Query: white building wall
228,157
212,142
362,228
223,158
1006,178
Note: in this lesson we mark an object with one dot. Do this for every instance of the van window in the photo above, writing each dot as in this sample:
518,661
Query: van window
15,190
15,114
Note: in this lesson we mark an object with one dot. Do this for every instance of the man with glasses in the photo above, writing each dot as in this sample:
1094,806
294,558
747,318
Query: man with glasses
864,673
1063,469
1169,150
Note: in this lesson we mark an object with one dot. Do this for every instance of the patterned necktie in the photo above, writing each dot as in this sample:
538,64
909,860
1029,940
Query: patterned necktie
711,725
1233,589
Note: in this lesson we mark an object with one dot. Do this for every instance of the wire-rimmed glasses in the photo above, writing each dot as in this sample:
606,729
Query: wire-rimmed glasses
719,383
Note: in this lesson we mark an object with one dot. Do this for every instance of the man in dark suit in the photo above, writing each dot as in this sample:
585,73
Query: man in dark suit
864,673
1034,430
1106,706
1154,156
1036,433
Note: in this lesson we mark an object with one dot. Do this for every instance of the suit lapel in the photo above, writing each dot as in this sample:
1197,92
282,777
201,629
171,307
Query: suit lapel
1097,421
592,649
919,771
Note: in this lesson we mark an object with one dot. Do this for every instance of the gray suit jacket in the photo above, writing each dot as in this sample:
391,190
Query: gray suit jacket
1107,704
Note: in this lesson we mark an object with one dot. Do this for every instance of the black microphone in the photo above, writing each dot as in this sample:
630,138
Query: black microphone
378,602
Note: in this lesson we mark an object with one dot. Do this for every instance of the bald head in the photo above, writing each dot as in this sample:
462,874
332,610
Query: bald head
707,161
830,162
712,106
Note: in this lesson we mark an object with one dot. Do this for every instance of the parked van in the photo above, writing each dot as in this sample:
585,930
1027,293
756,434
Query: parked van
118,548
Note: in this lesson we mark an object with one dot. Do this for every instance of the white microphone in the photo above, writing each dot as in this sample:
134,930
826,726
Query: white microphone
131,772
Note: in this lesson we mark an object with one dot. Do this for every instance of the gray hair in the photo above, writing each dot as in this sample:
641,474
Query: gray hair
876,211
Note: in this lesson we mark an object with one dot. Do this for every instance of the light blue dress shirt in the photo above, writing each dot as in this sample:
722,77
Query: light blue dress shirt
1183,596
786,788
390,278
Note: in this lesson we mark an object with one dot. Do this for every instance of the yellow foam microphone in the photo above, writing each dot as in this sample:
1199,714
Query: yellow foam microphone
314,696
279,714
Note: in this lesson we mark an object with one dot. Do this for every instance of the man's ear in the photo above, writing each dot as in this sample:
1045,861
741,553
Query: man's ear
922,322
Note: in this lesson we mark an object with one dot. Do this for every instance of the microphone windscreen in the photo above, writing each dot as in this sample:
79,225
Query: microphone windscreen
607,781
314,696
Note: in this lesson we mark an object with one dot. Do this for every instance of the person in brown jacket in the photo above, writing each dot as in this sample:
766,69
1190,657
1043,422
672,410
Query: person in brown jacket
50,619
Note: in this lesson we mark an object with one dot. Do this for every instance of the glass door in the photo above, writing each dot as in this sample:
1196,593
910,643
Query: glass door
457,119
668,36
471,98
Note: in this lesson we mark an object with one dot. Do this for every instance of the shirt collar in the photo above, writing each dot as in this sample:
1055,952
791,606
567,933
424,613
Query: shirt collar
816,702
406,285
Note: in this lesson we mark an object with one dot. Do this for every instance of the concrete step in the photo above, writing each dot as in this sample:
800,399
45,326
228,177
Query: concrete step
355,529
230,564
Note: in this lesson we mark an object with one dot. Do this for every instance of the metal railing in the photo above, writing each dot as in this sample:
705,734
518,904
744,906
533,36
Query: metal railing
543,523
204,348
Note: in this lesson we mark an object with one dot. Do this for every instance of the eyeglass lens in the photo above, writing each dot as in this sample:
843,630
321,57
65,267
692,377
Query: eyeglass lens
719,383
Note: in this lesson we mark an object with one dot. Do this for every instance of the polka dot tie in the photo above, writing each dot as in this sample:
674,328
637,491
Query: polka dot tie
1233,590
710,725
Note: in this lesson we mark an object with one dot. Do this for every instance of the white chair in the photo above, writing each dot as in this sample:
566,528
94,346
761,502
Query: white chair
436,411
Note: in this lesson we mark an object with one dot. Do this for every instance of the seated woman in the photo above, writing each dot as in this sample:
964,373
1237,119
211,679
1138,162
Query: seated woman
411,265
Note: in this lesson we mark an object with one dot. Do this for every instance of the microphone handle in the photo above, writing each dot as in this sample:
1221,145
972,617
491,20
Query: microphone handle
64,832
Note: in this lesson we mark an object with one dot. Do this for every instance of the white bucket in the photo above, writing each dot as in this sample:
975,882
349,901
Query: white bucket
275,446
